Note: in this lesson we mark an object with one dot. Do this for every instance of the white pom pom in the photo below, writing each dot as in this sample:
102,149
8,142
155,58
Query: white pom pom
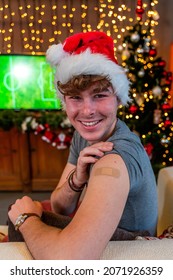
55,54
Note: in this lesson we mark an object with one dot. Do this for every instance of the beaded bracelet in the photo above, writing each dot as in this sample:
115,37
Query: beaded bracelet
72,185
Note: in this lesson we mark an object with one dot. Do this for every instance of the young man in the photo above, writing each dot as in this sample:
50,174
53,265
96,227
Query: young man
105,157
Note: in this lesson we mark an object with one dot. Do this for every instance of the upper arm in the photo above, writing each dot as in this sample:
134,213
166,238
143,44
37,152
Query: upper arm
101,209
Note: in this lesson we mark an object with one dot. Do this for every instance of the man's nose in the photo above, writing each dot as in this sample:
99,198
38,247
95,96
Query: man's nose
89,107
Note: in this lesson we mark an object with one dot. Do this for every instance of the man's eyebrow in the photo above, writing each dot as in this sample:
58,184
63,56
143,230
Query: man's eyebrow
108,171
96,90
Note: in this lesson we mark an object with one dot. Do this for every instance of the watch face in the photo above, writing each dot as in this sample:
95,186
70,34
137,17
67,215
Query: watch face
20,220
22,217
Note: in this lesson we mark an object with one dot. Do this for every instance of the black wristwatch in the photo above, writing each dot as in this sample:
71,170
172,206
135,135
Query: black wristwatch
22,218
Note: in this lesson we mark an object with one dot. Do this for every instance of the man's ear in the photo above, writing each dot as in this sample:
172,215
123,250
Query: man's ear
118,101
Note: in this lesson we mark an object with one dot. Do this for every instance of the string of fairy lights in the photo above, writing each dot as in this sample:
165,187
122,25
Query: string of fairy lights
30,26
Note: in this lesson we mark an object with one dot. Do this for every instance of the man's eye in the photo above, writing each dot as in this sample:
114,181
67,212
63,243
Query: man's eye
75,97
100,95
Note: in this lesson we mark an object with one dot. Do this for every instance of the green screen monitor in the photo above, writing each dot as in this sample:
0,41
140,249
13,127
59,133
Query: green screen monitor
27,82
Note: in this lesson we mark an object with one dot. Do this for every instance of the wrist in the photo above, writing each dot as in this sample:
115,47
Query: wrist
22,218
76,181
75,186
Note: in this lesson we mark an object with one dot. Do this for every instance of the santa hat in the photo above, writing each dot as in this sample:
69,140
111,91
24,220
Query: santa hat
90,53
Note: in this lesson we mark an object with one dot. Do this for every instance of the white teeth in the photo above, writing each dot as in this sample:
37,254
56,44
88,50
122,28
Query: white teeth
90,123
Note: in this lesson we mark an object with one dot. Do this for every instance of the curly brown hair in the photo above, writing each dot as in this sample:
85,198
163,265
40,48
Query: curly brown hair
83,82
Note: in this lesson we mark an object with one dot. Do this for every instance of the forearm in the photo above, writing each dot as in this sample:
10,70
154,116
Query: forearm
64,200
40,238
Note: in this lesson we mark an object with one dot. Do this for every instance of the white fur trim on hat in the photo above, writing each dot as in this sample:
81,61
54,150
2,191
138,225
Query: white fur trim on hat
87,63
55,54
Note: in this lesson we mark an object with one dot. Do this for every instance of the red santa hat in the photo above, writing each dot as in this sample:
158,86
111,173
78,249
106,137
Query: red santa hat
90,53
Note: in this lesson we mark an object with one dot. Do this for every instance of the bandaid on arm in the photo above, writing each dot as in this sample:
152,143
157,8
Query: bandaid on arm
108,171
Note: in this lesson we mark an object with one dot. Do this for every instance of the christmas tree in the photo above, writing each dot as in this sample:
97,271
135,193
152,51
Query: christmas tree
149,114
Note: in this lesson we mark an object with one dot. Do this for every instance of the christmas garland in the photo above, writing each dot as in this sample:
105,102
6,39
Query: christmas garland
53,126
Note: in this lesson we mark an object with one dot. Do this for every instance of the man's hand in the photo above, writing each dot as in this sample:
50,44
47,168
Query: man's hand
24,205
87,156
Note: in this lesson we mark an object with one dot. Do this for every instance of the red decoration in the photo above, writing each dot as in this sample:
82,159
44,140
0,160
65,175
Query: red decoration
167,123
152,52
149,148
162,63
48,134
40,128
133,109
139,9
169,76
168,83
169,79
166,106
61,141
164,73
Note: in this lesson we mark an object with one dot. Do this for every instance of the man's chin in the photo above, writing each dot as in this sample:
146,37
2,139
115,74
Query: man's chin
92,139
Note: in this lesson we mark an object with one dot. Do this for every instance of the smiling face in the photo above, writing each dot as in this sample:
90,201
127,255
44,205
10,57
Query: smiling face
92,112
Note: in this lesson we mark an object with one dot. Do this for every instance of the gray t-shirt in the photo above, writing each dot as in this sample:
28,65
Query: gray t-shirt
141,208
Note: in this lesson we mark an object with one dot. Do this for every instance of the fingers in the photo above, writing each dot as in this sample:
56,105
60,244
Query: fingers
96,150
90,155
103,146
24,205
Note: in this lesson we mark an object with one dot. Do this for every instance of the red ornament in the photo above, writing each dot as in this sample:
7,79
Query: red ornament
162,63
149,149
152,52
133,109
48,136
40,128
169,76
139,9
167,123
61,141
166,106
168,83
164,73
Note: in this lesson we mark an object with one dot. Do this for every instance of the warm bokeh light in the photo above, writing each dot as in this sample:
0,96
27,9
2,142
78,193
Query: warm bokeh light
52,22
